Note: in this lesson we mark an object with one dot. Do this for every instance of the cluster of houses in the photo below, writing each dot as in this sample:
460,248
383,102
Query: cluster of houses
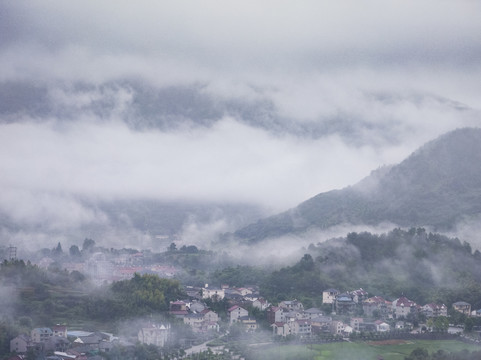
102,267
81,345
195,314
201,319
290,317
62,344
358,301
369,314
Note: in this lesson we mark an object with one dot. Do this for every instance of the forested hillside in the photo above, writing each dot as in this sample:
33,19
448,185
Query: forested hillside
436,186
424,266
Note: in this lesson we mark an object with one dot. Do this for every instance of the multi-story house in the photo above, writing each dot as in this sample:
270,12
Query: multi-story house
402,307
20,344
281,328
434,310
249,323
356,323
337,327
376,305
212,292
291,305
301,327
60,331
210,316
275,314
260,303
195,321
153,335
178,308
358,296
203,321
463,307
236,312
329,296
39,335
344,304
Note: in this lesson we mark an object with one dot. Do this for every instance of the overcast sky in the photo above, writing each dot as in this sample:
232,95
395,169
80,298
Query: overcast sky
265,102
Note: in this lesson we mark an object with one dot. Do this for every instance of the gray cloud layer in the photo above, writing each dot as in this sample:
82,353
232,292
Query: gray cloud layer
265,102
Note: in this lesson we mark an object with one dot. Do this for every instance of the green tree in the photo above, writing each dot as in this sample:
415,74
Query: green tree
418,354
441,323
58,250
88,245
468,324
74,251
146,293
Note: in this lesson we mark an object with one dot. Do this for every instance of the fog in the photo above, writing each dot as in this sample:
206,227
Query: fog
262,103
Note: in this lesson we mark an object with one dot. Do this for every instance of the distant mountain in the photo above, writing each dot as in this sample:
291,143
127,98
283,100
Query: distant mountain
143,106
122,220
169,218
437,185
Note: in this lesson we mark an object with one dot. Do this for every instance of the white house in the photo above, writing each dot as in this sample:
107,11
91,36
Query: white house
41,334
381,326
212,292
236,312
59,330
402,307
329,296
153,335
260,304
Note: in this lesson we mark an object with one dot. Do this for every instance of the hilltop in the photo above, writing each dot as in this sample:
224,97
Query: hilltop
437,185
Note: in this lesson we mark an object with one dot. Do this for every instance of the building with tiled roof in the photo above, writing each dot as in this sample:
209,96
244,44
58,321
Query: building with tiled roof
236,312
275,314
329,296
59,330
178,308
359,295
39,335
291,305
376,305
434,310
344,304
20,344
212,292
462,307
154,334
402,307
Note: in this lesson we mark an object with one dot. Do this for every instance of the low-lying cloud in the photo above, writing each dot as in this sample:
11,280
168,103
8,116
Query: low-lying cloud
265,103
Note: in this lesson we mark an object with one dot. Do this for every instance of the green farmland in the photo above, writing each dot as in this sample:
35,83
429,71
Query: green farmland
396,350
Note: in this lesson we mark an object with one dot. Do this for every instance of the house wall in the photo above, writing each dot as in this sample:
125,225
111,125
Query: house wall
18,345
237,313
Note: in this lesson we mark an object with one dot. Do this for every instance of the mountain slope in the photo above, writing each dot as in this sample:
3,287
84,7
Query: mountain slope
435,186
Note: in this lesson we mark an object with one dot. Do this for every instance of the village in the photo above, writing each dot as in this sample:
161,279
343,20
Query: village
343,316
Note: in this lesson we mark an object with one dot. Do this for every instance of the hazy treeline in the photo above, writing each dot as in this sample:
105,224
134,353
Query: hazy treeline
424,266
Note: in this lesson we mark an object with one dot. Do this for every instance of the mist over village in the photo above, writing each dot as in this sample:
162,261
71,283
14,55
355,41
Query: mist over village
240,180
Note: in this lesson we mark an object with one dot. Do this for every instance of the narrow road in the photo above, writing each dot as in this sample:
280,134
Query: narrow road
202,347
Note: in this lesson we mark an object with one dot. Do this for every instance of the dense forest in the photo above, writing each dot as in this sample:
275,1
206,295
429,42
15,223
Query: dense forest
33,297
424,266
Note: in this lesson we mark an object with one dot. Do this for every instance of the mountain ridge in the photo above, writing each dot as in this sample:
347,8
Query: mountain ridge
435,186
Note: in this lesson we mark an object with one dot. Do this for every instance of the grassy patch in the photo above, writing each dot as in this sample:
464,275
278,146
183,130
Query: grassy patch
361,350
